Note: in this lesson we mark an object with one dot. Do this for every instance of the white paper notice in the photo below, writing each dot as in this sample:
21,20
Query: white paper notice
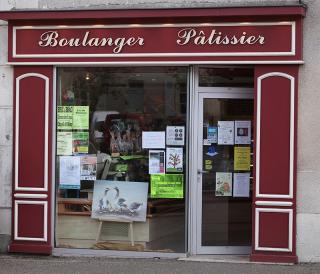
241,184
69,172
242,132
153,139
156,161
175,135
225,132
174,161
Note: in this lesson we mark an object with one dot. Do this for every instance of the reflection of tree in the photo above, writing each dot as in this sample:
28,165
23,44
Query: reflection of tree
174,160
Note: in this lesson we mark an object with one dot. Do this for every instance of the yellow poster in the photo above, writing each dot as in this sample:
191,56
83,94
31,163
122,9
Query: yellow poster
241,158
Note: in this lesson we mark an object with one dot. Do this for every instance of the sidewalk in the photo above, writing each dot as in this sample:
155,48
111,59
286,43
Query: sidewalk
13,264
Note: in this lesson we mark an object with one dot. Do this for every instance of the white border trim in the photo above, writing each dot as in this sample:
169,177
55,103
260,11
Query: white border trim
28,195
45,223
292,115
292,52
17,125
273,203
257,246
153,63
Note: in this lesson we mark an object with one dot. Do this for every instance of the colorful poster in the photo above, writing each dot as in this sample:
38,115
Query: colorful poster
80,117
225,132
242,158
64,143
174,160
80,142
156,161
88,167
212,135
241,184
166,186
223,184
69,172
64,117
153,139
120,201
175,135
242,132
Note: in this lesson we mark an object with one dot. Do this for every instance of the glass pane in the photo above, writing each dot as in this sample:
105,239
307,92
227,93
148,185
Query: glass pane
226,183
120,104
225,77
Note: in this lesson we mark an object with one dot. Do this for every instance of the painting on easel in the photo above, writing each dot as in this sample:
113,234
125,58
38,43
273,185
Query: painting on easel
120,201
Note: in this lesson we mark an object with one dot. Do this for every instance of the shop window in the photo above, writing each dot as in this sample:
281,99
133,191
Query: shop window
121,159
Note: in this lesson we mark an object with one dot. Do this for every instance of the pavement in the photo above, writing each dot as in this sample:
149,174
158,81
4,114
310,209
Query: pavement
14,264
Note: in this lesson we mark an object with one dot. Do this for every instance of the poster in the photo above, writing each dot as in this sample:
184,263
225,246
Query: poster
242,132
120,201
69,172
80,117
64,117
175,135
88,167
167,186
225,132
242,158
174,160
153,139
156,161
64,143
208,164
212,135
241,184
223,184
80,142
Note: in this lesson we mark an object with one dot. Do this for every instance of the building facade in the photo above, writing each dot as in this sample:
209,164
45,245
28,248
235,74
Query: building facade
205,111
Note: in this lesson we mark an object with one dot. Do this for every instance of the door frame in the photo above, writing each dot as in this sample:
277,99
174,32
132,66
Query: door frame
197,94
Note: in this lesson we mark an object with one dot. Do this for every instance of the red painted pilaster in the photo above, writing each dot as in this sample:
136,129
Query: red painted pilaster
31,193
274,203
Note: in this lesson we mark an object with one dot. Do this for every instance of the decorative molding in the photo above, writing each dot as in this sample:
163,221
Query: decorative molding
45,223
257,232
273,203
292,52
292,114
28,195
46,125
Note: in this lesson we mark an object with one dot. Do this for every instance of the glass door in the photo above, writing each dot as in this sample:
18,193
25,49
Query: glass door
224,171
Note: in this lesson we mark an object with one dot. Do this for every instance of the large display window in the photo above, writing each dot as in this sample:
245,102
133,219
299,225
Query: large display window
121,158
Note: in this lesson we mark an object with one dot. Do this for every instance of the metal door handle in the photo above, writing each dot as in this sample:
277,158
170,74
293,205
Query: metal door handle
202,171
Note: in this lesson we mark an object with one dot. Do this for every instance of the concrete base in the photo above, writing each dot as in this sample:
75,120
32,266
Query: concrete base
4,243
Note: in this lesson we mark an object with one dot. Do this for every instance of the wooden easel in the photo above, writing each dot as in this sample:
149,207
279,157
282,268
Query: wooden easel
117,221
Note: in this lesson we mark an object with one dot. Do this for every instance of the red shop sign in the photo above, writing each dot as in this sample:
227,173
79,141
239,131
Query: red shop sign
155,40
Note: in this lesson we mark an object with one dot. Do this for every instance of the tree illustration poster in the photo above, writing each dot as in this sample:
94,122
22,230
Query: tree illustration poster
120,201
174,159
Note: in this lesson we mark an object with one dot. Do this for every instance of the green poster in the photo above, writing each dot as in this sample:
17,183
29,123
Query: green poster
80,117
80,141
167,186
64,117
64,143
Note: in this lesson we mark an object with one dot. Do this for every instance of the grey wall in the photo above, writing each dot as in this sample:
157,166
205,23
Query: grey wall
308,185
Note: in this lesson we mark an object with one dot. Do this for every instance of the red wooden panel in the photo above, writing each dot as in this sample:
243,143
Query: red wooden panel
275,135
30,220
31,132
273,229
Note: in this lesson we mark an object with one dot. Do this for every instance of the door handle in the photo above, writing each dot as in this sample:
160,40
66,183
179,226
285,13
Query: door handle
200,171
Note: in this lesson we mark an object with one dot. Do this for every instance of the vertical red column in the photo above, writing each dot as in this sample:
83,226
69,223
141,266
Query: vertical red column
274,202
31,195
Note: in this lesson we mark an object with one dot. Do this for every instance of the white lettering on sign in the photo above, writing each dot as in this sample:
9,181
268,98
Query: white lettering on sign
198,37
52,39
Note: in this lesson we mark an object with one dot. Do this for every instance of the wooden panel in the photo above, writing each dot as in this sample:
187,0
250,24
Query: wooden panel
31,97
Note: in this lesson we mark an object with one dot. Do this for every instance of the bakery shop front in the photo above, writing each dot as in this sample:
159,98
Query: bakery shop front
155,133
